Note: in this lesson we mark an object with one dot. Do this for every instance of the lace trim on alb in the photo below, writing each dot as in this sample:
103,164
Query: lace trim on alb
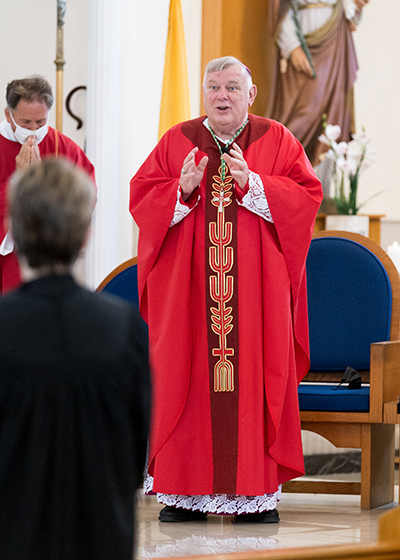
255,199
219,504
181,210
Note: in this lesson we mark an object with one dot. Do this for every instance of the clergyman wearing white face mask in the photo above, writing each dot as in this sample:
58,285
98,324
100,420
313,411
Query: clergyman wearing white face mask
25,138
22,134
29,125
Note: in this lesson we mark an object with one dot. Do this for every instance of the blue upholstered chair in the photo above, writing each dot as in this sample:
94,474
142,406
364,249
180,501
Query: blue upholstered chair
354,320
123,282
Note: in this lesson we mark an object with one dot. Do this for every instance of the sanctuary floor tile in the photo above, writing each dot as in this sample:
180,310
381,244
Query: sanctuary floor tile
306,520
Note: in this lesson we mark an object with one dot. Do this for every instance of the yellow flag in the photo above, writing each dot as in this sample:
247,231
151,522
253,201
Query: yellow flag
175,101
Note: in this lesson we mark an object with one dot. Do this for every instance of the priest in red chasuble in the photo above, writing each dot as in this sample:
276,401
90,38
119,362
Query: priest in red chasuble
25,138
225,205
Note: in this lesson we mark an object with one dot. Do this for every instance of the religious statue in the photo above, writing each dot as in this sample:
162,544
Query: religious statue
315,67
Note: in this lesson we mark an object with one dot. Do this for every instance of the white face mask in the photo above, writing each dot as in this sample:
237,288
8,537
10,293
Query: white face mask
22,134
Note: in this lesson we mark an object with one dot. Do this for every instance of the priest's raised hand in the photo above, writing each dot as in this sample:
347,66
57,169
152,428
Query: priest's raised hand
191,174
237,165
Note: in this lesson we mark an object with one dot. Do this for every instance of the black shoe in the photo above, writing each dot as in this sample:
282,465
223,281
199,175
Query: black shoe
170,514
270,516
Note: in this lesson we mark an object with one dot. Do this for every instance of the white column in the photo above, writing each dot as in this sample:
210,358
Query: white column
103,133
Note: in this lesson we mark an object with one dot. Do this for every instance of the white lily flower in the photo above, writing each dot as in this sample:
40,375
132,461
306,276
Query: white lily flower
322,138
347,165
355,151
341,162
330,154
351,159
362,138
342,148
352,164
332,131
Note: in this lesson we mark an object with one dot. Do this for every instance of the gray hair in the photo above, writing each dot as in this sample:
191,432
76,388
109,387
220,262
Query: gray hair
50,207
219,64
30,89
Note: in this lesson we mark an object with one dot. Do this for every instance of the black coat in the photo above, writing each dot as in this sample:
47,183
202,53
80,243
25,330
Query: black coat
74,414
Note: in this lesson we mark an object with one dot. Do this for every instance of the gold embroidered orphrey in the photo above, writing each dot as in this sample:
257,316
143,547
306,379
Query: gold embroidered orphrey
222,283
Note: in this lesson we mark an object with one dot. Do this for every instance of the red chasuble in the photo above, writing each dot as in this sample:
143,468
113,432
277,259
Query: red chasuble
54,143
224,295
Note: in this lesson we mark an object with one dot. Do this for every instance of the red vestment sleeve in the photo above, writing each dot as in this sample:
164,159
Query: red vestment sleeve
153,197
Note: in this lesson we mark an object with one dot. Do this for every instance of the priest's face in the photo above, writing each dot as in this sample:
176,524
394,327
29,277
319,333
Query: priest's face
227,97
31,116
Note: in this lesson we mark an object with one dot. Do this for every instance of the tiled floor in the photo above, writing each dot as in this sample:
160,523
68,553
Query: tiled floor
306,520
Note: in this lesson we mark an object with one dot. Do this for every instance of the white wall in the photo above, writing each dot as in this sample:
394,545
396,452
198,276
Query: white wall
145,35
377,103
28,46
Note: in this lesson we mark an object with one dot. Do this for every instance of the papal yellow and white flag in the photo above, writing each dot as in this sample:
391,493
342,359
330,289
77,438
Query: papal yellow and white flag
175,100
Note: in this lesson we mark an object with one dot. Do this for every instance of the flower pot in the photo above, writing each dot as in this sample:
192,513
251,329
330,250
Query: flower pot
356,224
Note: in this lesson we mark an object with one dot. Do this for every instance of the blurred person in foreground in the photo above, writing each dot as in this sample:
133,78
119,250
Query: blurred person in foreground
225,206
26,137
74,386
